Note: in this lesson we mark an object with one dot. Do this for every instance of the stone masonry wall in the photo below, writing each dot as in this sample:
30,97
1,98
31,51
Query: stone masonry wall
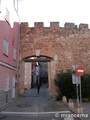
71,44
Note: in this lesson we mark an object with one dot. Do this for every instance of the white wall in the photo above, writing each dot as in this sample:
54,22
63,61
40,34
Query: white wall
9,4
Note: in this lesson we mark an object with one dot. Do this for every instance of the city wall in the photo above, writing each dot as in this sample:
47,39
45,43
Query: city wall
67,45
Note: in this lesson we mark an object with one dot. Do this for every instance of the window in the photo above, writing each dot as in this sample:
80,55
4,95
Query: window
6,83
14,53
5,47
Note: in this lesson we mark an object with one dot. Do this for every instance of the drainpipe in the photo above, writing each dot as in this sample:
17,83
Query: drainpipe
18,59
18,43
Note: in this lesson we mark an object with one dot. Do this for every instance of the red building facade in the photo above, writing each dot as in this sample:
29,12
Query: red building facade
9,52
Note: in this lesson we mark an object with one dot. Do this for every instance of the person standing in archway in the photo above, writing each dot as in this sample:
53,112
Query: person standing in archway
38,78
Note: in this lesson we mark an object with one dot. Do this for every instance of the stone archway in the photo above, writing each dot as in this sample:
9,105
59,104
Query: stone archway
51,59
38,52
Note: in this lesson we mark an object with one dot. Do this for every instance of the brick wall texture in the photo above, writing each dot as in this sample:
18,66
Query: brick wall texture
71,44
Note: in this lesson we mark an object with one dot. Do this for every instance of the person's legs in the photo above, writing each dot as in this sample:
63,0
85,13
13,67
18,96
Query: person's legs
38,88
37,84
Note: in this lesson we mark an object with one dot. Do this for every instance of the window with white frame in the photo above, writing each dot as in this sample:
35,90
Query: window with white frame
5,47
14,53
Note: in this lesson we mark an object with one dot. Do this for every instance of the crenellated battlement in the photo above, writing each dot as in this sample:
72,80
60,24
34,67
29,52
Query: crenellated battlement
38,24
56,25
83,26
24,24
70,25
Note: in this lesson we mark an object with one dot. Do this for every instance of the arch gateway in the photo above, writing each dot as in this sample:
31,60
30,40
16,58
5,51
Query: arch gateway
62,47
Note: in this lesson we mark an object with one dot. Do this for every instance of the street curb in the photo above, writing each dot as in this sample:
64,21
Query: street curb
35,113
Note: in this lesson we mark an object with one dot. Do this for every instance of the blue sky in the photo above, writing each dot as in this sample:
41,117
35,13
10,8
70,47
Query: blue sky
62,11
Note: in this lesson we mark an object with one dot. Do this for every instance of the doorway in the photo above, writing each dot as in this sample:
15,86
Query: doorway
43,76
43,63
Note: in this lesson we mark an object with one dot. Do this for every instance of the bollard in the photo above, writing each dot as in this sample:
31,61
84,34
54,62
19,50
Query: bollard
64,99
70,104
79,110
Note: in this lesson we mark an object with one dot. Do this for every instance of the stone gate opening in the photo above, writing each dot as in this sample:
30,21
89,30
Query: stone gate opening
30,70
27,78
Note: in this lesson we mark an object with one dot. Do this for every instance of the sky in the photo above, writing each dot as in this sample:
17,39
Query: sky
75,11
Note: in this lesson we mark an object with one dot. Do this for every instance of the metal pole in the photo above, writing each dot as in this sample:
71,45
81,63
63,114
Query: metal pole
77,95
77,87
80,91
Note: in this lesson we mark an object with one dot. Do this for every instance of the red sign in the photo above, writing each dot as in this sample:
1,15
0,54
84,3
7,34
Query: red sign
80,71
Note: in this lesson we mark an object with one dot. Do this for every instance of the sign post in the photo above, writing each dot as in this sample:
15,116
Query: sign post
75,81
80,72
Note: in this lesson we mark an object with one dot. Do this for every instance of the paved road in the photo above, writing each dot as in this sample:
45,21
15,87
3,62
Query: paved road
33,102
35,106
